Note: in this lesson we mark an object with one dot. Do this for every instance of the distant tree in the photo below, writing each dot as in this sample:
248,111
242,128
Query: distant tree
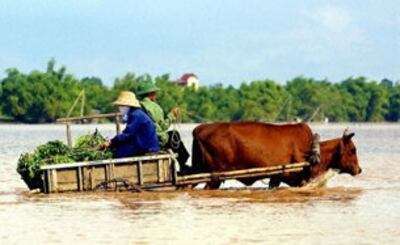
367,100
38,96
394,104
98,96
387,83
314,100
45,96
130,82
261,100
378,102
200,107
170,95
221,104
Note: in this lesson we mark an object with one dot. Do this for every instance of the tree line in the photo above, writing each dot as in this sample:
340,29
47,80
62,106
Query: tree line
44,96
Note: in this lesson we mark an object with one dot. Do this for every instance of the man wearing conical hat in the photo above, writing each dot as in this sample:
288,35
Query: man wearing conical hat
140,135
168,139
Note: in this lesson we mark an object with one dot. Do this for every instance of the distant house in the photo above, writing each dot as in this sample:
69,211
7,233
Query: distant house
188,80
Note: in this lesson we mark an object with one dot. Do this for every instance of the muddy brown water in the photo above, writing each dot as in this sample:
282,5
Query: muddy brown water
349,210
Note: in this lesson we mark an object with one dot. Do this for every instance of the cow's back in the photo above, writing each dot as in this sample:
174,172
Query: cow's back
240,145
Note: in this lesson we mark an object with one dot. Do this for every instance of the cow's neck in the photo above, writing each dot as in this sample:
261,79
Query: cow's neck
329,151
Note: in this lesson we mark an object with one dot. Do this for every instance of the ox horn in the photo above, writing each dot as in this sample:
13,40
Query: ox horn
346,131
347,135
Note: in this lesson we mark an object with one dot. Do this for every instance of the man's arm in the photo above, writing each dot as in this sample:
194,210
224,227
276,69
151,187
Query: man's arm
128,133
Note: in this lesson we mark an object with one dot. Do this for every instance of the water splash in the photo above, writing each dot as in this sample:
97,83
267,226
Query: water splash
321,180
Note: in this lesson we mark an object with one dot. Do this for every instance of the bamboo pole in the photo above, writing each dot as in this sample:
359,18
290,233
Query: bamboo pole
314,114
211,178
74,104
244,173
117,125
83,103
251,170
69,135
97,116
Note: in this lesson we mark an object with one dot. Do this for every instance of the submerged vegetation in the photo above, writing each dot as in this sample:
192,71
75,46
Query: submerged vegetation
86,148
39,97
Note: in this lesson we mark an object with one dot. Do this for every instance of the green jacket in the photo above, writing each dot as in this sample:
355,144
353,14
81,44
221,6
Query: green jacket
161,122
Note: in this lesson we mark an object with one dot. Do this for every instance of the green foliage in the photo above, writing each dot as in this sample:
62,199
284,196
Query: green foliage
98,96
394,104
29,164
45,96
38,97
130,82
170,94
366,101
50,149
260,100
56,152
314,100
86,148
89,141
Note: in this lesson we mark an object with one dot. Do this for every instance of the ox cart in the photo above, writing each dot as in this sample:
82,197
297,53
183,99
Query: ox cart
149,172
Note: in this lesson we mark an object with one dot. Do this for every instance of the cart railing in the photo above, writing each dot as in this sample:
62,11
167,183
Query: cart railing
105,162
69,120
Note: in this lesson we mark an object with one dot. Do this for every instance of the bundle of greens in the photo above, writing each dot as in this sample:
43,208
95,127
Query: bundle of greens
86,148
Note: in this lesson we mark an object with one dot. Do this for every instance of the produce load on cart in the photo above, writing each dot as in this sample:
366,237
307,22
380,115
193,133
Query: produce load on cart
86,148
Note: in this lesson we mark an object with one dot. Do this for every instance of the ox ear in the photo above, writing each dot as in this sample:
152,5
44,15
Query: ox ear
347,137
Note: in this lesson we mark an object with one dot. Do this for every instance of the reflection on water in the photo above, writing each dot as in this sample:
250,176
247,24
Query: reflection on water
362,209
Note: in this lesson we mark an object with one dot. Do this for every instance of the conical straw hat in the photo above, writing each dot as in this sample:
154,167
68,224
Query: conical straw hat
146,88
127,98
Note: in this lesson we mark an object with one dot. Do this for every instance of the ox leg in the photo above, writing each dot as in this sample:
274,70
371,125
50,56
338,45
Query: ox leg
274,182
213,185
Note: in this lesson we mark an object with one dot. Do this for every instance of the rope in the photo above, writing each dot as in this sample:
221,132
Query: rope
175,139
126,183
176,121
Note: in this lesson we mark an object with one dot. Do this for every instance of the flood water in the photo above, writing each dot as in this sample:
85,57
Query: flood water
350,210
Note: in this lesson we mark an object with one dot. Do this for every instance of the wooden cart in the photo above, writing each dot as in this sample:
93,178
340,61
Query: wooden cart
144,172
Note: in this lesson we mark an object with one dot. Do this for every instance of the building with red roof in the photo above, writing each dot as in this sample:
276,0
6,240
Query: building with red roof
188,80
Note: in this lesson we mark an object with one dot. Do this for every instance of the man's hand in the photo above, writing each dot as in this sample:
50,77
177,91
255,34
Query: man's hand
175,111
104,145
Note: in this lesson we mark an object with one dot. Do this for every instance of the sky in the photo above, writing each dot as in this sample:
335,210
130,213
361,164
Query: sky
223,41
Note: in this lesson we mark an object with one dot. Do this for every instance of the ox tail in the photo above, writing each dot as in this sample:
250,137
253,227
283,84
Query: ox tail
315,156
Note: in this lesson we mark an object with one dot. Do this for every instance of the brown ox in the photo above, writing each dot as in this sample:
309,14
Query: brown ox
242,145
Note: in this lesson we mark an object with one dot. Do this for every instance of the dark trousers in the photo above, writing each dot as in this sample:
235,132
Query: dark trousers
176,145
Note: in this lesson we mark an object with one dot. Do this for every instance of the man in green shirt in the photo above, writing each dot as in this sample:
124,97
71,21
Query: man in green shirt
167,139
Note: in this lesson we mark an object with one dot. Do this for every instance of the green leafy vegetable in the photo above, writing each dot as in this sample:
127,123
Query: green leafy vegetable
86,148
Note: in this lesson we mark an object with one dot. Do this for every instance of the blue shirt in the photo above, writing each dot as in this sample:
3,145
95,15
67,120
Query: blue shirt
138,137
